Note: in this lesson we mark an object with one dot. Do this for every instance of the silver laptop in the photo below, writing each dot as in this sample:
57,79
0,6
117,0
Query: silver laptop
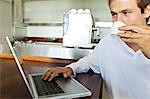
58,88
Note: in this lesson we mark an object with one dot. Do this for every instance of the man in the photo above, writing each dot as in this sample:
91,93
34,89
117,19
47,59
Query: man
123,61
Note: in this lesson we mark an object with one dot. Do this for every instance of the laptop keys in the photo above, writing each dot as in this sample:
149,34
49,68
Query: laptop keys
45,87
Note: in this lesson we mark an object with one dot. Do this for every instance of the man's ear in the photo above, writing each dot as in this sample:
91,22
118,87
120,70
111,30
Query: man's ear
147,11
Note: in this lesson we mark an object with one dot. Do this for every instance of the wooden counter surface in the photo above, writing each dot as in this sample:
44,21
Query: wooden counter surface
12,85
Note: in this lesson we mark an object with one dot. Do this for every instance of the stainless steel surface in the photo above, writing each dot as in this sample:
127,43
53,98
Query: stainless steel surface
54,51
48,50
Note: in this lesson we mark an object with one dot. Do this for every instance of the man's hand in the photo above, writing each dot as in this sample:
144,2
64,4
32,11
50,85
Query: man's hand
66,71
139,35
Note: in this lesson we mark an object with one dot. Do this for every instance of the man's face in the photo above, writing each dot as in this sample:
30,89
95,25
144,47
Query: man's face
127,11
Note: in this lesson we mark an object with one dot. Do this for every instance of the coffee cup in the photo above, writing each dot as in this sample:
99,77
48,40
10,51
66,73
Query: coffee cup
115,26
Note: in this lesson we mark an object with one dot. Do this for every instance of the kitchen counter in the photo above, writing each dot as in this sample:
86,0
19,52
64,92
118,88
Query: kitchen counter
49,50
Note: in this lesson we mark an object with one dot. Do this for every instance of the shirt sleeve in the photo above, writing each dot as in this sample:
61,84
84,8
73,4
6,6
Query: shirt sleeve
92,61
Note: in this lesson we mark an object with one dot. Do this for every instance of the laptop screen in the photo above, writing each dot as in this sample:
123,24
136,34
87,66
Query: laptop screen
18,61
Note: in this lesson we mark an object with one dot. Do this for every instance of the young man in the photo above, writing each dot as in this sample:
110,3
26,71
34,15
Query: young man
123,61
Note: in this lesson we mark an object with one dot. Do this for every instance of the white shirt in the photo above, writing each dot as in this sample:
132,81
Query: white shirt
125,72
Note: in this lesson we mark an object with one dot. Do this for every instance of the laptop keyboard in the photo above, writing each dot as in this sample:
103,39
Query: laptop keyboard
46,87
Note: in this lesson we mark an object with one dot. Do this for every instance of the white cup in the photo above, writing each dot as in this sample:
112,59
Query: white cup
115,26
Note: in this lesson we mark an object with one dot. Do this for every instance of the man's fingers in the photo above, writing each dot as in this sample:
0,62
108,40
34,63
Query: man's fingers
137,29
130,35
67,74
43,76
50,74
131,28
128,40
47,75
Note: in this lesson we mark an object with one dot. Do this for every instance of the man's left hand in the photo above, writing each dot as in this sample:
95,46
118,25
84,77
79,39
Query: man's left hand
139,35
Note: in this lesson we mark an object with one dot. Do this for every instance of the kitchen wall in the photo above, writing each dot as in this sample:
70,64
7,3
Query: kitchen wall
5,20
52,12
45,31
5,23
8,13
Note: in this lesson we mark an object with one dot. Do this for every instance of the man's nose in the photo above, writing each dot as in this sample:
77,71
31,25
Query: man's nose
120,18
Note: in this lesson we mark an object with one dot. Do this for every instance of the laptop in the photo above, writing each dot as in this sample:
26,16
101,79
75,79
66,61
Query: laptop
58,88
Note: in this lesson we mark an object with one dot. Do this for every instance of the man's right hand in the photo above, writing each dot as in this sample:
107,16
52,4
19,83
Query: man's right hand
66,71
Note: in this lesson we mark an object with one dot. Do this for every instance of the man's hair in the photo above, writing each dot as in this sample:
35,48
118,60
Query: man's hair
142,4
